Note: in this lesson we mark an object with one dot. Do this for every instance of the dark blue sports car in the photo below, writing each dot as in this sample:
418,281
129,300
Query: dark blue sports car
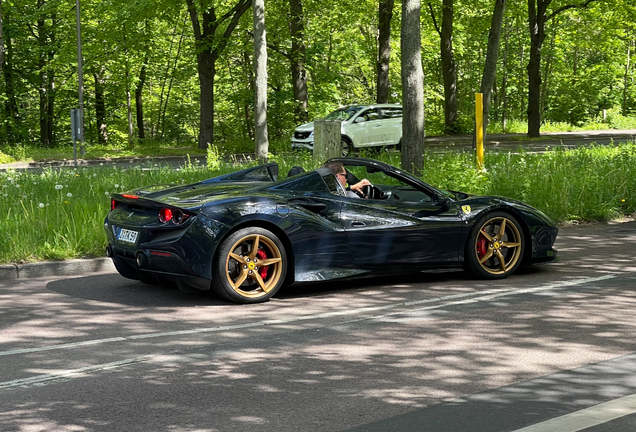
246,234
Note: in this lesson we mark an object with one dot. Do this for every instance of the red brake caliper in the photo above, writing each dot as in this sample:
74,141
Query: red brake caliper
481,246
261,256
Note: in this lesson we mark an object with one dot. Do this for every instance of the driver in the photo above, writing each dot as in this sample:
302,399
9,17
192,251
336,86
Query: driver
354,191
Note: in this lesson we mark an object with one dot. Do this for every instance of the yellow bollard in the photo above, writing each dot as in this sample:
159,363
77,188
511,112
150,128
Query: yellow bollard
479,129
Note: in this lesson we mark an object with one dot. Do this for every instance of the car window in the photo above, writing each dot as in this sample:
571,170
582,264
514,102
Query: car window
394,190
393,112
333,184
343,114
371,115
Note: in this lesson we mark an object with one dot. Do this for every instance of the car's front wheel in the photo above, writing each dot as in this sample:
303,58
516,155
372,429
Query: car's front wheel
347,147
495,246
250,266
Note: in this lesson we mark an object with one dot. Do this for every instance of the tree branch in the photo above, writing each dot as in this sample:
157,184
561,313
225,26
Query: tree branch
566,7
430,6
195,20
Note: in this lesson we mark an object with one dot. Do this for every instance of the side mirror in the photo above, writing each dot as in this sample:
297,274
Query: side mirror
441,201
360,120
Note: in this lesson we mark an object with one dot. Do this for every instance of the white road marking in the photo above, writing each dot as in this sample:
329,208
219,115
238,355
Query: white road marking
76,373
472,297
588,417
71,373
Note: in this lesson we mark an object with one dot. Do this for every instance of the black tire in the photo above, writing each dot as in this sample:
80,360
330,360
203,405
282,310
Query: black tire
347,147
237,271
495,246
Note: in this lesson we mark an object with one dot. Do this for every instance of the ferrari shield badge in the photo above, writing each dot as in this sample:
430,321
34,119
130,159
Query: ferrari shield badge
466,209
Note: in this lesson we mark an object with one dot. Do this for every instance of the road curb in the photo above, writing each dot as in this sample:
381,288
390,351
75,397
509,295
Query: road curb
56,268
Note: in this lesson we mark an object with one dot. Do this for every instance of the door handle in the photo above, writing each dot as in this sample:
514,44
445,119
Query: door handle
358,224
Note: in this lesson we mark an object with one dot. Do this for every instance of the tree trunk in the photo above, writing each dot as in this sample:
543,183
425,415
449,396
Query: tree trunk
449,70
492,55
50,115
260,75
209,47
624,109
11,105
504,85
248,112
537,17
206,63
100,107
297,59
1,40
45,81
128,97
139,102
385,14
412,89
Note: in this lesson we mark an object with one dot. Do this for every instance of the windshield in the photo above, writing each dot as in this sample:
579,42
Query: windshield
343,114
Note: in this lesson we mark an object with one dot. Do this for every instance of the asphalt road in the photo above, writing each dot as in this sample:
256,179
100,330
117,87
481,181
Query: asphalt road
500,142
552,348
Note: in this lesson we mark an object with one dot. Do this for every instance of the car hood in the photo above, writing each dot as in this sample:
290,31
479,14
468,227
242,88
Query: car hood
307,127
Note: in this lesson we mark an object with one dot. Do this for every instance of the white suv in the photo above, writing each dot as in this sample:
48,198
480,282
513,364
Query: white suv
362,126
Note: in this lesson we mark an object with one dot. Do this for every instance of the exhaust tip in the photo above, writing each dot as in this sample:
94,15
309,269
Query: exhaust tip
142,259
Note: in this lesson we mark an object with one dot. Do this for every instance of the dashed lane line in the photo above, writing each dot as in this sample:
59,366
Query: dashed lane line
68,374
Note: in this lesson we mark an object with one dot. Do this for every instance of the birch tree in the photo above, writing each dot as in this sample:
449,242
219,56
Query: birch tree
260,78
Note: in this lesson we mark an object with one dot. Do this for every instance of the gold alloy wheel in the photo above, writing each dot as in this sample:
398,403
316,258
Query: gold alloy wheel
498,246
254,266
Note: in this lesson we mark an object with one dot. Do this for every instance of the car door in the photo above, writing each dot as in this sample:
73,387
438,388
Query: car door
400,231
365,128
391,125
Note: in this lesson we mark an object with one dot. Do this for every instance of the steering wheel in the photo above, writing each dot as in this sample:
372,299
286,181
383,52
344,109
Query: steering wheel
372,192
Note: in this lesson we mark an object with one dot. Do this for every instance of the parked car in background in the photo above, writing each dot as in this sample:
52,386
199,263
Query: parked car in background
361,126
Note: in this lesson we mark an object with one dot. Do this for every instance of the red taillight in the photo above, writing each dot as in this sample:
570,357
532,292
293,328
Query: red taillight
165,215
130,196
113,204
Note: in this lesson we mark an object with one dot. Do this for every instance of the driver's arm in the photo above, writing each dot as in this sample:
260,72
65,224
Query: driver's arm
357,188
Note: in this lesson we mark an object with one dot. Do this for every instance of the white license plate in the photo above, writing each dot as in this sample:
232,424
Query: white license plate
128,236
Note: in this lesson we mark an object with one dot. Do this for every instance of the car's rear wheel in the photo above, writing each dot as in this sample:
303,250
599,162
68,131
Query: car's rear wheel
495,246
250,266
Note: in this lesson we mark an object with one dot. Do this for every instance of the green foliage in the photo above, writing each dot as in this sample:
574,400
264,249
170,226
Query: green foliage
5,158
214,157
585,70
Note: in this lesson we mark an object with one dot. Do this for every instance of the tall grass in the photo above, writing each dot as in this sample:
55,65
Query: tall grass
59,213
